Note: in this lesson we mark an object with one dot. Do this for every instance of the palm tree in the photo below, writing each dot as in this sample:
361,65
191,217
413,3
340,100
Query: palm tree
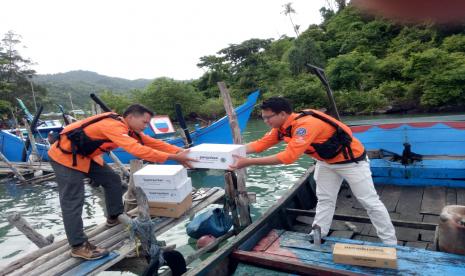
288,10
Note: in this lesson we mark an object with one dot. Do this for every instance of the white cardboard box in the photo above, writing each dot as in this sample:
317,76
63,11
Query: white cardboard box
169,195
215,156
160,176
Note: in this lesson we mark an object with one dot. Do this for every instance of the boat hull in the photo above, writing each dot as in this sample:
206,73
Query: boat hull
441,145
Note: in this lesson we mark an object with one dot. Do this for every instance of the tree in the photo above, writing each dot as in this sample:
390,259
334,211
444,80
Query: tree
116,102
353,71
15,73
306,50
237,54
163,93
288,11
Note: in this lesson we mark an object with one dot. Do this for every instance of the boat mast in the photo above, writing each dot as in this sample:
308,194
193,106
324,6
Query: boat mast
320,73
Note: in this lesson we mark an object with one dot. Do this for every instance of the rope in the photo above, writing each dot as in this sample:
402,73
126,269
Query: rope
145,231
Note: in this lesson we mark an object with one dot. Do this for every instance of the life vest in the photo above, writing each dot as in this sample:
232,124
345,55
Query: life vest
339,142
82,144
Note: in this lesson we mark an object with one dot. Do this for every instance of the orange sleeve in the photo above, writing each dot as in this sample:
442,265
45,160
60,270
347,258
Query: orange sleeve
268,140
118,134
302,136
158,144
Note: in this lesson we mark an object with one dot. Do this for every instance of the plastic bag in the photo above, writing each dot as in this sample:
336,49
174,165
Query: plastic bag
214,222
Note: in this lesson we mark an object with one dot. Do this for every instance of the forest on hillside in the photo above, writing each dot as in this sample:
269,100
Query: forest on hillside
373,66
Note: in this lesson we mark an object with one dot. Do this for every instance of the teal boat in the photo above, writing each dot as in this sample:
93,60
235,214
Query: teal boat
416,151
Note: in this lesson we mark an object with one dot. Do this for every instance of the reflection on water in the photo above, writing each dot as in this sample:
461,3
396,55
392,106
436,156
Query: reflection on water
39,204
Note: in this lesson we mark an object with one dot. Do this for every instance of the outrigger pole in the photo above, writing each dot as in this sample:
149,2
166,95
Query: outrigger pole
320,73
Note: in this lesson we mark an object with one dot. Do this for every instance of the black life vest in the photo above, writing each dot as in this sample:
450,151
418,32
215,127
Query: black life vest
83,145
339,142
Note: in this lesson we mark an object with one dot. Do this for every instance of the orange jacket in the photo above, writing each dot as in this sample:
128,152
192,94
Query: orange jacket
117,132
305,131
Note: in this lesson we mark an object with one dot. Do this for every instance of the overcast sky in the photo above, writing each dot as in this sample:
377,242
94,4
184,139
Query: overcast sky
143,38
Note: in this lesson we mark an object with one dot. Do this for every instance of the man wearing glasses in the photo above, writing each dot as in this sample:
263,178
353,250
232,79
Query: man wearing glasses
339,156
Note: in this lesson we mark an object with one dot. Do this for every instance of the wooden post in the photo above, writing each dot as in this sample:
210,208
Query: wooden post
92,108
23,226
119,164
130,196
98,109
144,216
13,168
230,196
242,199
34,156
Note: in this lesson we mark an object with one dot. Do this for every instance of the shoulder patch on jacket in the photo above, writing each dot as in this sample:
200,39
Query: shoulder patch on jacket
301,131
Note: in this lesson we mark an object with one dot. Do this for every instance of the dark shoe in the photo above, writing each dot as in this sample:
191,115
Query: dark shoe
112,222
89,251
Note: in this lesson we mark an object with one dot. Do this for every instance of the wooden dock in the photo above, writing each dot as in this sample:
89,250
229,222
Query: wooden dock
25,167
55,259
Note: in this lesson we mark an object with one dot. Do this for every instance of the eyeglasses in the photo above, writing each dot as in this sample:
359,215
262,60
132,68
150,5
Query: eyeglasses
266,118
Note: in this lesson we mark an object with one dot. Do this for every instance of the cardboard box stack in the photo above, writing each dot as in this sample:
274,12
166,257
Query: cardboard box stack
215,156
167,187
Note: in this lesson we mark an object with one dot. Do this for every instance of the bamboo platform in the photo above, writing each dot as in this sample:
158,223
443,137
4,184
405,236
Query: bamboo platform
411,204
55,259
25,167
28,171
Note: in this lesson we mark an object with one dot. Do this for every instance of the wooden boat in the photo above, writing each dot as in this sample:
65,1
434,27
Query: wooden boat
11,145
277,243
428,151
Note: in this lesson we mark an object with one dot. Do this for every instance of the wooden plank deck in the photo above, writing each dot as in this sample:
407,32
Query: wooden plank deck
292,252
58,260
406,203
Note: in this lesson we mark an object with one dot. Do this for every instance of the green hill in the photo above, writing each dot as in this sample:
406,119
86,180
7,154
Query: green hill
80,84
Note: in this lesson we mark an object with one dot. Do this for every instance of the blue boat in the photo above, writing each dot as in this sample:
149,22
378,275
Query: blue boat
424,152
11,145
278,244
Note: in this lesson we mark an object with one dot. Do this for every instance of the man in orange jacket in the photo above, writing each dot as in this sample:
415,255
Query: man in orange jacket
77,154
338,155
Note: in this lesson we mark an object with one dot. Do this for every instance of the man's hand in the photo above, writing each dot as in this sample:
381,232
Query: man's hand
241,162
182,158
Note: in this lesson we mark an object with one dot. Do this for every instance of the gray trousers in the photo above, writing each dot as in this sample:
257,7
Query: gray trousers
71,191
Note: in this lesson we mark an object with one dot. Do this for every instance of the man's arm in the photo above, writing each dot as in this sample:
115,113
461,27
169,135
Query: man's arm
242,162
301,138
118,135
249,148
159,144
268,140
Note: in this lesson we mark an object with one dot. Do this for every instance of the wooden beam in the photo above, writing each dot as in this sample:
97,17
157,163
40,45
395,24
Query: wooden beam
34,156
12,168
119,164
285,264
130,201
19,222
400,223
242,198
230,204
